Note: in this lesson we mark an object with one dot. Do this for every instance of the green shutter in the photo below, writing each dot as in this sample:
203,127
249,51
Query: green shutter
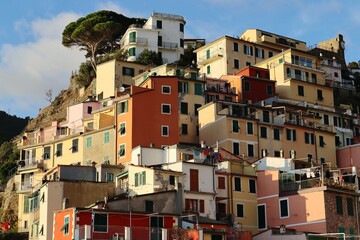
208,54
198,89
143,177
132,37
136,180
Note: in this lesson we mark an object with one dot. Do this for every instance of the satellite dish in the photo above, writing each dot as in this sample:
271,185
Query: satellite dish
122,89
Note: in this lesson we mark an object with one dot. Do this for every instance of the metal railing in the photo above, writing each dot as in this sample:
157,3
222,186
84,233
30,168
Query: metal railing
286,186
168,45
138,40
29,163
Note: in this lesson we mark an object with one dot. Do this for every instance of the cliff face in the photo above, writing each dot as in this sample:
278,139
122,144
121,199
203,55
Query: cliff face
57,108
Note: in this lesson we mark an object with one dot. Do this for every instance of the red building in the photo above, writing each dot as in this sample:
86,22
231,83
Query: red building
81,223
252,84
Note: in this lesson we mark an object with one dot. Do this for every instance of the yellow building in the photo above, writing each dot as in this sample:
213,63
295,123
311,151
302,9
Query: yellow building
112,75
299,78
231,126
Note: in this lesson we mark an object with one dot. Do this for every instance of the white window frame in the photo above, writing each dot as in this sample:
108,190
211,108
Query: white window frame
165,104
165,86
162,127
287,205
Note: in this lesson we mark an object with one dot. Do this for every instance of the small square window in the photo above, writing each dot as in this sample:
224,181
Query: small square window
165,89
165,108
122,150
165,131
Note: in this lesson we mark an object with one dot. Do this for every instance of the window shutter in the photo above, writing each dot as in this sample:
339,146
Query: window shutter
202,206
143,177
136,179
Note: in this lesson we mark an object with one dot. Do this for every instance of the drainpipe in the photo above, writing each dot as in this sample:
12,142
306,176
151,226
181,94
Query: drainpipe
116,127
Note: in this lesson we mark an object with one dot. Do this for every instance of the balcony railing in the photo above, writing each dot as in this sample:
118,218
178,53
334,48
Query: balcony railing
208,57
302,78
345,84
142,41
168,45
30,163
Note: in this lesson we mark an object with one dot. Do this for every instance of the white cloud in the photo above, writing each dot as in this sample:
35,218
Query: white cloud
27,70
121,10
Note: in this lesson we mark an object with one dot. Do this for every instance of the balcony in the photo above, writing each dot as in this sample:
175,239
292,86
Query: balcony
301,78
314,125
24,186
210,57
345,84
29,164
167,45
220,88
138,41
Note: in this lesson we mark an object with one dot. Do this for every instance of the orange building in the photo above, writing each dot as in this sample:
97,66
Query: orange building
147,115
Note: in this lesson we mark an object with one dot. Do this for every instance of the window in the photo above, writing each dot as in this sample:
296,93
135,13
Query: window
208,70
132,37
261,216
172,180
266,116
106,137
109,177
66,225
184,108
183,87
75,145
269,90
271,54
246,86
47,151
301,90
236,148
259,53
237,184
122,150
198,89
248,50
250,150
235,47
263,132
336,121
122,107
184,129
339,208
336,74
350,206
319,95
89,142
221,182
181,42
284,208
158,24
194,205
252,186
181,27
100,222
250,128
235,126
291,134
89,110
196,106
240,210
313,77
149,206
165,89
276,134
208,54
165,108
164,131
194,180
132,51
26,207
309,138
236,63
321,141
128,71
248,63
59,147
326,119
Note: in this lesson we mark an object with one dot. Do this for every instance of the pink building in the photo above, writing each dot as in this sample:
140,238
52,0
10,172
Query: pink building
306,201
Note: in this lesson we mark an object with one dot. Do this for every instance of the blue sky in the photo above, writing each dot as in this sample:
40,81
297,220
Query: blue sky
32,59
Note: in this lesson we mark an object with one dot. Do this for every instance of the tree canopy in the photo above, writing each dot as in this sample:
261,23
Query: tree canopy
149,57
353,65
97,33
